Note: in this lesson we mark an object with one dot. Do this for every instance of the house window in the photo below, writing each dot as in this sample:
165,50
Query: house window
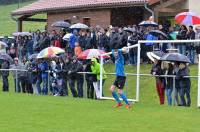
86,21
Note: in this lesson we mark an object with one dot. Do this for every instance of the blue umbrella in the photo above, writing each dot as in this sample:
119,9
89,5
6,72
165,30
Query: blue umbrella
158,33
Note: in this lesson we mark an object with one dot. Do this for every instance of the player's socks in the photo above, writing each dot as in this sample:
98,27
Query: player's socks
123,96
114,94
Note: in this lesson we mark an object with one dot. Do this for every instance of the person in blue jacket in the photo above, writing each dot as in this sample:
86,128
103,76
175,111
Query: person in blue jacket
120,77
43,67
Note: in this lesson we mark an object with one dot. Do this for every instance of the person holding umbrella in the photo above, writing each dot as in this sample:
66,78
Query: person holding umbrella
157,70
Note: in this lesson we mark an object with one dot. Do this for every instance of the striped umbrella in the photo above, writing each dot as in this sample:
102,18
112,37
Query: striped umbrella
50,52
91,53
187,18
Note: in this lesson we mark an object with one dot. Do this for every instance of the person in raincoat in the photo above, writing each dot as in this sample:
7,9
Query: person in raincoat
96,68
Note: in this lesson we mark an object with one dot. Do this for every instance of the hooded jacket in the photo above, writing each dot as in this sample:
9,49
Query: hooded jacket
96,69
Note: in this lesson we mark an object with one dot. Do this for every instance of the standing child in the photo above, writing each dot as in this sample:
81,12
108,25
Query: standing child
120,78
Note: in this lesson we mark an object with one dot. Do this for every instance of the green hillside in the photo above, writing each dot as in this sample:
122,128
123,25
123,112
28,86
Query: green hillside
8,26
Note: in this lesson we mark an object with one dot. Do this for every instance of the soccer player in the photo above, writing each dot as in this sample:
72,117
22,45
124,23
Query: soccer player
120,77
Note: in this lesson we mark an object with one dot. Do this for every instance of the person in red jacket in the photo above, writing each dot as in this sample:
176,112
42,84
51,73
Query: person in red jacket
57,42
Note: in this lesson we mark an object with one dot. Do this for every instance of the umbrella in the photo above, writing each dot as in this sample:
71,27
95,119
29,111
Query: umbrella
3,44
158,33
50,52
175,57
155,55
91,53
6,57
79,26
148,23
61,24
67,36
130,30
33,56
22,34
187,18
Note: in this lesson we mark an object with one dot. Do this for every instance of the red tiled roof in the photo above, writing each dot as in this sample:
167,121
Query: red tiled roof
52,5
153,1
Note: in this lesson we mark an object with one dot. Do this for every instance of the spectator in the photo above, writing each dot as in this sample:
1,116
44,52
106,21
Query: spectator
190,47
184,84
95,67
75,67
43,67
5,74
30,45
182,35
168,81
82,39
16,74
90,78
77,49
156,70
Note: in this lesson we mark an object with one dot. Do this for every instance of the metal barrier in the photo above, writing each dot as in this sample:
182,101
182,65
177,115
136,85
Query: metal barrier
127,74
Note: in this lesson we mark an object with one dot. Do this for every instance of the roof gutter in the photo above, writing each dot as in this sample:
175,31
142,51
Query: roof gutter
149,10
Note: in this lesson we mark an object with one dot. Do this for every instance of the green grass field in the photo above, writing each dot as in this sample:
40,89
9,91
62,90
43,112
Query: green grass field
8,26
33,113
24,113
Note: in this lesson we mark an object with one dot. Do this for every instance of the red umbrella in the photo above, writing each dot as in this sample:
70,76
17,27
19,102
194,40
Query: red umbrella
187,18
91,53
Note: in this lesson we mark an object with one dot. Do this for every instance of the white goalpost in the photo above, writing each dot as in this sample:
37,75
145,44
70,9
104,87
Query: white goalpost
138,74
138,71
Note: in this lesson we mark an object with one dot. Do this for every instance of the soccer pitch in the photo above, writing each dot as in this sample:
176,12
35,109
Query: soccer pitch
32,113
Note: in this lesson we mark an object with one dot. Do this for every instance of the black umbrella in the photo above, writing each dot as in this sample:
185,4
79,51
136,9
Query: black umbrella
148,23
6,57
175,57
61,24
158,33
33,56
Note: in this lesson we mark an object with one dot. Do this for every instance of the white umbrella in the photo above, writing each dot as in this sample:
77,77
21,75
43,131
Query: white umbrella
79,26
67,36
22,34
3,44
